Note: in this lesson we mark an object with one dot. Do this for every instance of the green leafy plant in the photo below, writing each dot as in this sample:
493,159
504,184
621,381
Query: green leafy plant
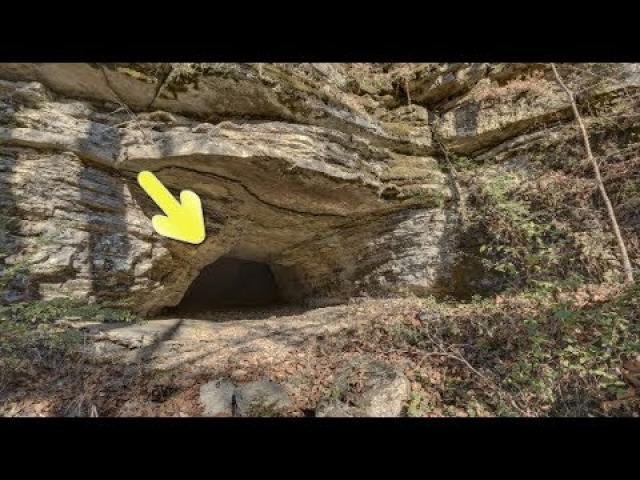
47,311
518,245
417,405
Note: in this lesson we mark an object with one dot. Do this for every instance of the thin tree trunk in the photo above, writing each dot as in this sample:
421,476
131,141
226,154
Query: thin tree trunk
628,270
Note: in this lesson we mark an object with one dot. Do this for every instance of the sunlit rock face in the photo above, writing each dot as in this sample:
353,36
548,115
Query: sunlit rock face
331,175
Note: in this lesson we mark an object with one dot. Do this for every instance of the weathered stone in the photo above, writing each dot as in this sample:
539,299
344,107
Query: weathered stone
428,316
478,123
270,190
368,388
300,93
334,408
433,83
327,173
261,398
216,398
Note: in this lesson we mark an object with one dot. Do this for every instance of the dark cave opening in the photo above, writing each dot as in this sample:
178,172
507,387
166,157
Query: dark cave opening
231,282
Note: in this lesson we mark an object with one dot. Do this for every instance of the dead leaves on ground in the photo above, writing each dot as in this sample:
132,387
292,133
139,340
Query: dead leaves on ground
630,372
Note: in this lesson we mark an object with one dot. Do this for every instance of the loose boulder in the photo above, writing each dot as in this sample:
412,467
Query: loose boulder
366,388
216,398
262,398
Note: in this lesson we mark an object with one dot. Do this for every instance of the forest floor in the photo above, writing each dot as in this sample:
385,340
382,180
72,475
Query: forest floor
553,353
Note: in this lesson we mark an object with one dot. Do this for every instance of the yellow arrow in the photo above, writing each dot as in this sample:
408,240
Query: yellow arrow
183,220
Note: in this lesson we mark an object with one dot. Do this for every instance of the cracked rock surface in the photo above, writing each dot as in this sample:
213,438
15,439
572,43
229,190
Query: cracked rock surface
366,388
329,173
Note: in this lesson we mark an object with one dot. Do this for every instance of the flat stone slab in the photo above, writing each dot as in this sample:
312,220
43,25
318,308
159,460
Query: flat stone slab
206,345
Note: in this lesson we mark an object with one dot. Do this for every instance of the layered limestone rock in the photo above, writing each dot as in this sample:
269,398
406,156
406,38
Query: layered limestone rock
330,174
321,206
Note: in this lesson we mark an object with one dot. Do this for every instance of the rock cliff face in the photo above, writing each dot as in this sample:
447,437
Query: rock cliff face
332,174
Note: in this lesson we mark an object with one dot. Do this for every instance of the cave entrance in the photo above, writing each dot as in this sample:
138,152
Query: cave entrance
231,282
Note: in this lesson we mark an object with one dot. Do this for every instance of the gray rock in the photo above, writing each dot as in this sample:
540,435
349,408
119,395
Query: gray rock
387,397
428,316
95,239
334,408
382,391
262,398
216,398
295,189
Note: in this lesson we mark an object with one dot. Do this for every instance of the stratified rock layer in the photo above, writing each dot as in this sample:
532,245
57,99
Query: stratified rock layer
327,173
